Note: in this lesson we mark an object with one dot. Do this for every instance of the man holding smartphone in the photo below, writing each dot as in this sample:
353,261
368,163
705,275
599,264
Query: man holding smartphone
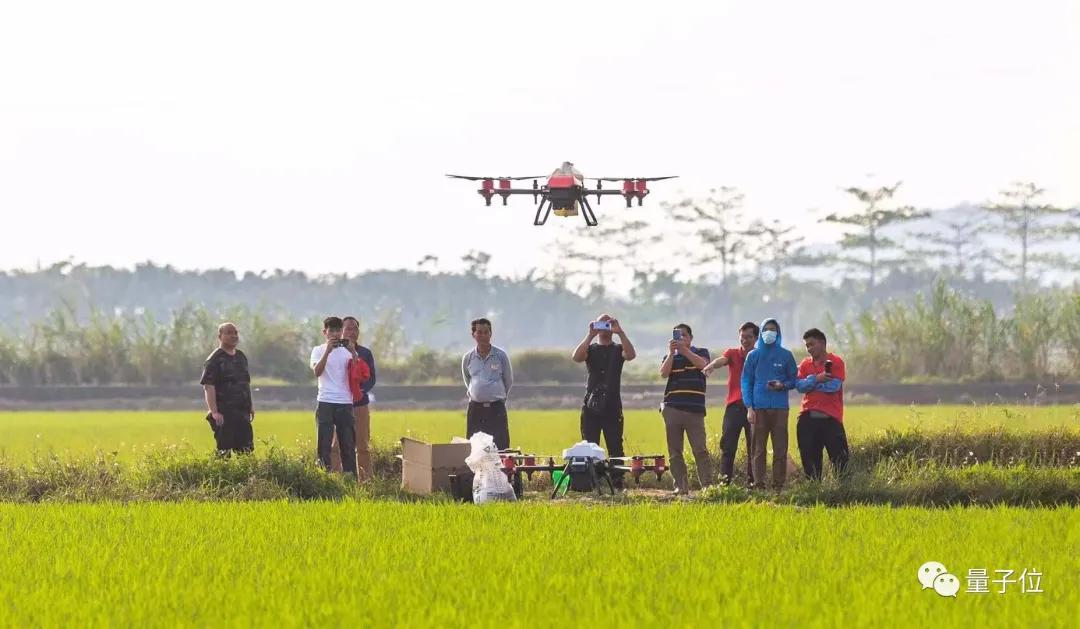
683,407
601,411
821,420
334,413
361,403
768,374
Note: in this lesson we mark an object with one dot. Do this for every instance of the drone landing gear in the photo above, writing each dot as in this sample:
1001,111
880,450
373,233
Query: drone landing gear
543,211
585,471
540,209
586,212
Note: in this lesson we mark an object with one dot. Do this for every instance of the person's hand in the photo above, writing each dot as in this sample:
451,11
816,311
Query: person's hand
707,371
672,347
615,327
251,418
219,419
331,344
822,377
751,416
684,346
592,331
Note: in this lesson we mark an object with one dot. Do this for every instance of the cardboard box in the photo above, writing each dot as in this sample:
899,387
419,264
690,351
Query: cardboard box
426,467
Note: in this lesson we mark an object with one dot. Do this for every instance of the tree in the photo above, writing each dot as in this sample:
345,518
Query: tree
955,244
476,263
1027,223
772,248
718,221
618,241
427,260
869,224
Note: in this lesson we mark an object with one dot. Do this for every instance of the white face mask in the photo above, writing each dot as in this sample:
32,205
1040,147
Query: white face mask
768,337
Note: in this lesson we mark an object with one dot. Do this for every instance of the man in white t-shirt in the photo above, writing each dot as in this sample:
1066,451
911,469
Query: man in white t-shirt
330,362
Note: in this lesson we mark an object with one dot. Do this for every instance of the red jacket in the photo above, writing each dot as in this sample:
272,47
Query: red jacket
358,374
830,400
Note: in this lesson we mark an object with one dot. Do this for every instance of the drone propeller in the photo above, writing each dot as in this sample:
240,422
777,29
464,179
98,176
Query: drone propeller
483,178
631,178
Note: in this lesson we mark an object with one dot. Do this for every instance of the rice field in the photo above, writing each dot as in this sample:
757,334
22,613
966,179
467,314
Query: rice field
129,432
376,560
446,565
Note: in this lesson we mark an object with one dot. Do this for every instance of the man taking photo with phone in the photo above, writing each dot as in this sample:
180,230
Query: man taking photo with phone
601,411
334,413
821,420
683,407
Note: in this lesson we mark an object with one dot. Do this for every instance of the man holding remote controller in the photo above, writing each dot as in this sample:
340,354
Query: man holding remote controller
768,374
601,411
821,420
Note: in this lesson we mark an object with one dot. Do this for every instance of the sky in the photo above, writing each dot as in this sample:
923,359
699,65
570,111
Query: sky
257,135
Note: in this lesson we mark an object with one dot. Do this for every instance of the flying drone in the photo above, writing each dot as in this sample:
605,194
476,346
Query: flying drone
565,192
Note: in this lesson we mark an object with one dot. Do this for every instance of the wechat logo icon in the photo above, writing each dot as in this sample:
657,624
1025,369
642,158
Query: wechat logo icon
934,575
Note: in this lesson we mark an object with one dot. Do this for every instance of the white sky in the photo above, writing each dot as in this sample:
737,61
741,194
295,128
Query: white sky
143,130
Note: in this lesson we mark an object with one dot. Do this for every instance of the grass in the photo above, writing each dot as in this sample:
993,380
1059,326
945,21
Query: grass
387,564
131,432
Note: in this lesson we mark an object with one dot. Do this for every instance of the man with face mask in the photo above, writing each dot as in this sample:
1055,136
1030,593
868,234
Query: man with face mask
768,374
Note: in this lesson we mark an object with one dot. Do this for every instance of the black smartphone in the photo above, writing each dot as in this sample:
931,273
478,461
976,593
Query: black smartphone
828,366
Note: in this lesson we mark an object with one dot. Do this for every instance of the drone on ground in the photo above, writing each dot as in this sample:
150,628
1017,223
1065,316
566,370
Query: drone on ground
579,473
565,192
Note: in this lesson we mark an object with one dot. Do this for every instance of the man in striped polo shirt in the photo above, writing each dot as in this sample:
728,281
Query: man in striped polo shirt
488,378
684,406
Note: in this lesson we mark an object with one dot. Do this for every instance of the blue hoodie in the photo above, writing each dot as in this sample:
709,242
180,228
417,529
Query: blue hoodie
765,363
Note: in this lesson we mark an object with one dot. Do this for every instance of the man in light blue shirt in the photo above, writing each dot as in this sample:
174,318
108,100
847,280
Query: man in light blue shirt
488,377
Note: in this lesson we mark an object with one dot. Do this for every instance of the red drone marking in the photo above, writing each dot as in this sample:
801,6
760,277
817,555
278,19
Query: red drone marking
565,192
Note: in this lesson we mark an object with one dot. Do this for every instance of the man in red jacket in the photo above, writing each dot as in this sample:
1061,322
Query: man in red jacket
735,422
821,421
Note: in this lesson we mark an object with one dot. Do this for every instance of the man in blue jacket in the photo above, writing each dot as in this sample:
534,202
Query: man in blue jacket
768,374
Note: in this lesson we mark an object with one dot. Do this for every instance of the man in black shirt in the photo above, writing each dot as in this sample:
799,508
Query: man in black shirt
601,410
227,389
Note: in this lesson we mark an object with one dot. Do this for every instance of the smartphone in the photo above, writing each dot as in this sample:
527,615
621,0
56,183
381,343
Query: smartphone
828,367
676,334
601,325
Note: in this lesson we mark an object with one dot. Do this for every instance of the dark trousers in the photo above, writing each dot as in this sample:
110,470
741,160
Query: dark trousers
489,417
333,418
815,433
611,425
735,423
234,434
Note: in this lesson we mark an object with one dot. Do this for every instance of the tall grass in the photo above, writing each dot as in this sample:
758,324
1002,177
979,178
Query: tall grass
946,335
943,467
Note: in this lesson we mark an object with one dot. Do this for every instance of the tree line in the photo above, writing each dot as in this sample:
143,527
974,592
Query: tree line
943,334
